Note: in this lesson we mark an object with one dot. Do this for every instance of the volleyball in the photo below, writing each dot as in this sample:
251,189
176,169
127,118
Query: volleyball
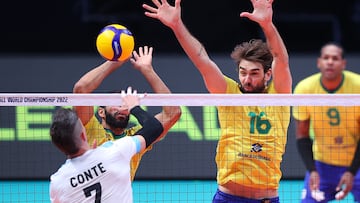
115,42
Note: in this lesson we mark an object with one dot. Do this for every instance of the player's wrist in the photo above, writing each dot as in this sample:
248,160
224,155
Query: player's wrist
352,171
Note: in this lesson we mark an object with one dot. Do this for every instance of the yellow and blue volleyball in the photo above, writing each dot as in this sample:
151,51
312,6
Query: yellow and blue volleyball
115,42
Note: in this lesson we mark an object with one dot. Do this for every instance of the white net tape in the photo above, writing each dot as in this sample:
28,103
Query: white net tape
69,99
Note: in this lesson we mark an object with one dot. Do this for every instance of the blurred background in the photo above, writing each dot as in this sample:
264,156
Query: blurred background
71,26
46,46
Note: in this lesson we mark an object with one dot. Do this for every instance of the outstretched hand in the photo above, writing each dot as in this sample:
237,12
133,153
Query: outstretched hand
163,11
142,59
262,13
130,98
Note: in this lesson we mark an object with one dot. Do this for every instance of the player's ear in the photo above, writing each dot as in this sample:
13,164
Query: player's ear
83,136
318,61
268,74
101,111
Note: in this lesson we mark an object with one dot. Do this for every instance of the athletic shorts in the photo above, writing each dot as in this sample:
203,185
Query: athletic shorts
221,197
329,179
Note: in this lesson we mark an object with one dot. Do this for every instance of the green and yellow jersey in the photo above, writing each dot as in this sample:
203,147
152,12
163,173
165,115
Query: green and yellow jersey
335,130
95,131
252,142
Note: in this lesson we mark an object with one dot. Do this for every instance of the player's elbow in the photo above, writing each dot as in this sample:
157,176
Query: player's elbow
151,131
170,117
79,87
176,114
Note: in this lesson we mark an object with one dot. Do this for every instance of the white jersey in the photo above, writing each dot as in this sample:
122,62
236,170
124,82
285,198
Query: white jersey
99,175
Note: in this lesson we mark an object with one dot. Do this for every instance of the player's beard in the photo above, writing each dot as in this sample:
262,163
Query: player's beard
115,123
255,89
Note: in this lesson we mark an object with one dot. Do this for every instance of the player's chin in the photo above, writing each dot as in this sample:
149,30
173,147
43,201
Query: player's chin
121,117
249,90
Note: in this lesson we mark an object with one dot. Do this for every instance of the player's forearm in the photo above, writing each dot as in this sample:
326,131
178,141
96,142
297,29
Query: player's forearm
275,43
192,47
280,66
151,127
169,114
156,83
92,79
304,146
355,164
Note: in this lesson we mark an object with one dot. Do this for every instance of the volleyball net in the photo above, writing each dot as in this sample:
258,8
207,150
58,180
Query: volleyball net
180,168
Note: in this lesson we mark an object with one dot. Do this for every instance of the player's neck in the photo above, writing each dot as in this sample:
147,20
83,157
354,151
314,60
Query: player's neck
81,151
332,84
115,131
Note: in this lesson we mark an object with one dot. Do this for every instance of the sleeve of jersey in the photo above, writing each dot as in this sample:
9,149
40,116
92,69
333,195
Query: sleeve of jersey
299,112
231,85
52,193
128,146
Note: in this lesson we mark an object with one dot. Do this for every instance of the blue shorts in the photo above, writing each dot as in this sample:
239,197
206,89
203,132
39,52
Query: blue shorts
329,179
221,197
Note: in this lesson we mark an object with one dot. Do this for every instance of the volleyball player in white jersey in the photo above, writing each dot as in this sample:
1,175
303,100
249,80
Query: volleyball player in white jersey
101,174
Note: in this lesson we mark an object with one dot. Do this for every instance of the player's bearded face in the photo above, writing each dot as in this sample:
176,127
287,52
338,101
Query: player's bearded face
116,120
248,87
252,77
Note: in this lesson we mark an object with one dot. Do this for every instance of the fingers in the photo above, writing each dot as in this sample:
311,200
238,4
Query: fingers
128,92
177,3
131,92
268,1
342,192
143,51
340,195
135,54
94,144
157,3
314,181
150,50
146,50
149,8
245,14
318,195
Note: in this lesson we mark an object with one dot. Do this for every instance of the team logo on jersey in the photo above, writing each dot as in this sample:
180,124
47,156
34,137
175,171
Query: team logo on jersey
256,147
338,140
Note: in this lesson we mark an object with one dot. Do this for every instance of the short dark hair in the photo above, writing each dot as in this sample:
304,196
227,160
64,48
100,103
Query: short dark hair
112,91
62,130
334,44
254,50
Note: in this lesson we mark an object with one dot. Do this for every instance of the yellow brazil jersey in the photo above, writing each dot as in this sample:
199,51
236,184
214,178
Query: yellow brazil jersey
252,142
95,130
335,129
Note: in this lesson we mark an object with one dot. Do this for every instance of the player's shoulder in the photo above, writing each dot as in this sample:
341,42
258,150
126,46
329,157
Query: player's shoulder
232,87
308,82
352,75
351,81
63,169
